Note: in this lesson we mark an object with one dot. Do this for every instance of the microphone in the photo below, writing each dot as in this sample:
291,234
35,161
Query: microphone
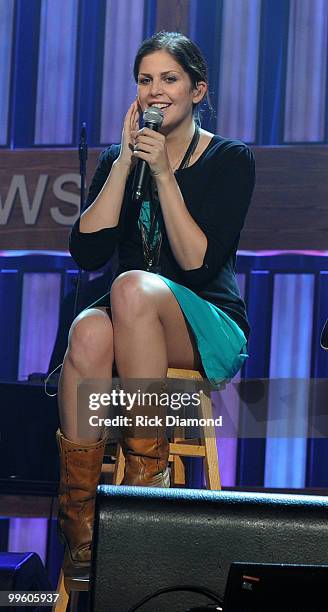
324,337
153,119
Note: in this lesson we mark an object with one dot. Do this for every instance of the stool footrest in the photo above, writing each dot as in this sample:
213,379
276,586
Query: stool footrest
187,450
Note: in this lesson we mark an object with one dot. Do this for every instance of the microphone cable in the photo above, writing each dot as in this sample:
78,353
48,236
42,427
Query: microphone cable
83,156
183,587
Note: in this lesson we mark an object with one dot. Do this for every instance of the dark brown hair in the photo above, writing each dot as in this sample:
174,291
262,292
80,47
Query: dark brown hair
183,50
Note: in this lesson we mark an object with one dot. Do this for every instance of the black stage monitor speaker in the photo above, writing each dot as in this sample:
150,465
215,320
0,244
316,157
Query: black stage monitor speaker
29,419
152,539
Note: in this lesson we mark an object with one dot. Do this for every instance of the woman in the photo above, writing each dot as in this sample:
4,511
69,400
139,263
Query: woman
188,314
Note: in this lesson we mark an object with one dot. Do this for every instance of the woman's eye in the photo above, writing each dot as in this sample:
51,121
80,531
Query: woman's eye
146,80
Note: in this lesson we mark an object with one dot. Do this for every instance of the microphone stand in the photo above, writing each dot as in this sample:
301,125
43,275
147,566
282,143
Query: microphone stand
83,156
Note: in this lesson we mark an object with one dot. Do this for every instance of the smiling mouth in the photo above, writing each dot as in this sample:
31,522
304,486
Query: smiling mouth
160,105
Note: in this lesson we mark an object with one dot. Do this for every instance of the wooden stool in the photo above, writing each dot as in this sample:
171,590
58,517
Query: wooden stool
180,447
204,447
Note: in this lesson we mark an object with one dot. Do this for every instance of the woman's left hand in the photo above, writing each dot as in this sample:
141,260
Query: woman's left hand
151,147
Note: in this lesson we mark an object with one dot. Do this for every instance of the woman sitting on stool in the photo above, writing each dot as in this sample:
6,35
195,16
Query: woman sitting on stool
175,301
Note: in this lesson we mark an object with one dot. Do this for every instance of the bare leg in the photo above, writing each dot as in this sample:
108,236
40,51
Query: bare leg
150,331
89,356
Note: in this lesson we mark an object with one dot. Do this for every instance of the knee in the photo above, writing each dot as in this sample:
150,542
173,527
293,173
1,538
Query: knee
90,339
130,295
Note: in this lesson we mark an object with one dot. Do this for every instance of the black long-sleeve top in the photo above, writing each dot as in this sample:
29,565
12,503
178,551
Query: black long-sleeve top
217,190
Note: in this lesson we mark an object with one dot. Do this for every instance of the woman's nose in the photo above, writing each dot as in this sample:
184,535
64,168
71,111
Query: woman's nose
156,87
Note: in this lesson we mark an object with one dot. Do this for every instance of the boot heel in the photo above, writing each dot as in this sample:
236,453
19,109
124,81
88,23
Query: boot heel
161,480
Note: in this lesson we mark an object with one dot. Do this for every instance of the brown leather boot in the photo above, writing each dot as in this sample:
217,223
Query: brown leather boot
146,458
80,467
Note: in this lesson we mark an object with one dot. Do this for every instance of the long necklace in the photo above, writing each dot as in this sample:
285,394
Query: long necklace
151,225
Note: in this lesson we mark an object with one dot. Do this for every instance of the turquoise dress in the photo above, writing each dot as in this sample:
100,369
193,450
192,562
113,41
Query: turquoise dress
221,343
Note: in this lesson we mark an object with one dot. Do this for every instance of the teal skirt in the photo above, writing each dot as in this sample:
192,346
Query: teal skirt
221,343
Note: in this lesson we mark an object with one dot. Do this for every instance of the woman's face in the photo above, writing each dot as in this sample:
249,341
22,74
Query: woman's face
162,82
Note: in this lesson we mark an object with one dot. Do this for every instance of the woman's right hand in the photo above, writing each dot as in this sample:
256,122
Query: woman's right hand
130,128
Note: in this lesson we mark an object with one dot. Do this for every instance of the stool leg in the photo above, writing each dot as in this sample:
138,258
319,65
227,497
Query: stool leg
211,461
119,466
61,604
178,472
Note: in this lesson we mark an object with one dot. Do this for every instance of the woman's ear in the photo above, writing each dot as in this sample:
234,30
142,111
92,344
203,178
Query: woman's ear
199,91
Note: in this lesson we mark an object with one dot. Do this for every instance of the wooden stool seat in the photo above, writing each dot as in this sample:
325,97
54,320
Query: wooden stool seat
180,447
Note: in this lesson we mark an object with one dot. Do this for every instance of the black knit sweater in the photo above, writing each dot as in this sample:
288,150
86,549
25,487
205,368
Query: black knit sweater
217,190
